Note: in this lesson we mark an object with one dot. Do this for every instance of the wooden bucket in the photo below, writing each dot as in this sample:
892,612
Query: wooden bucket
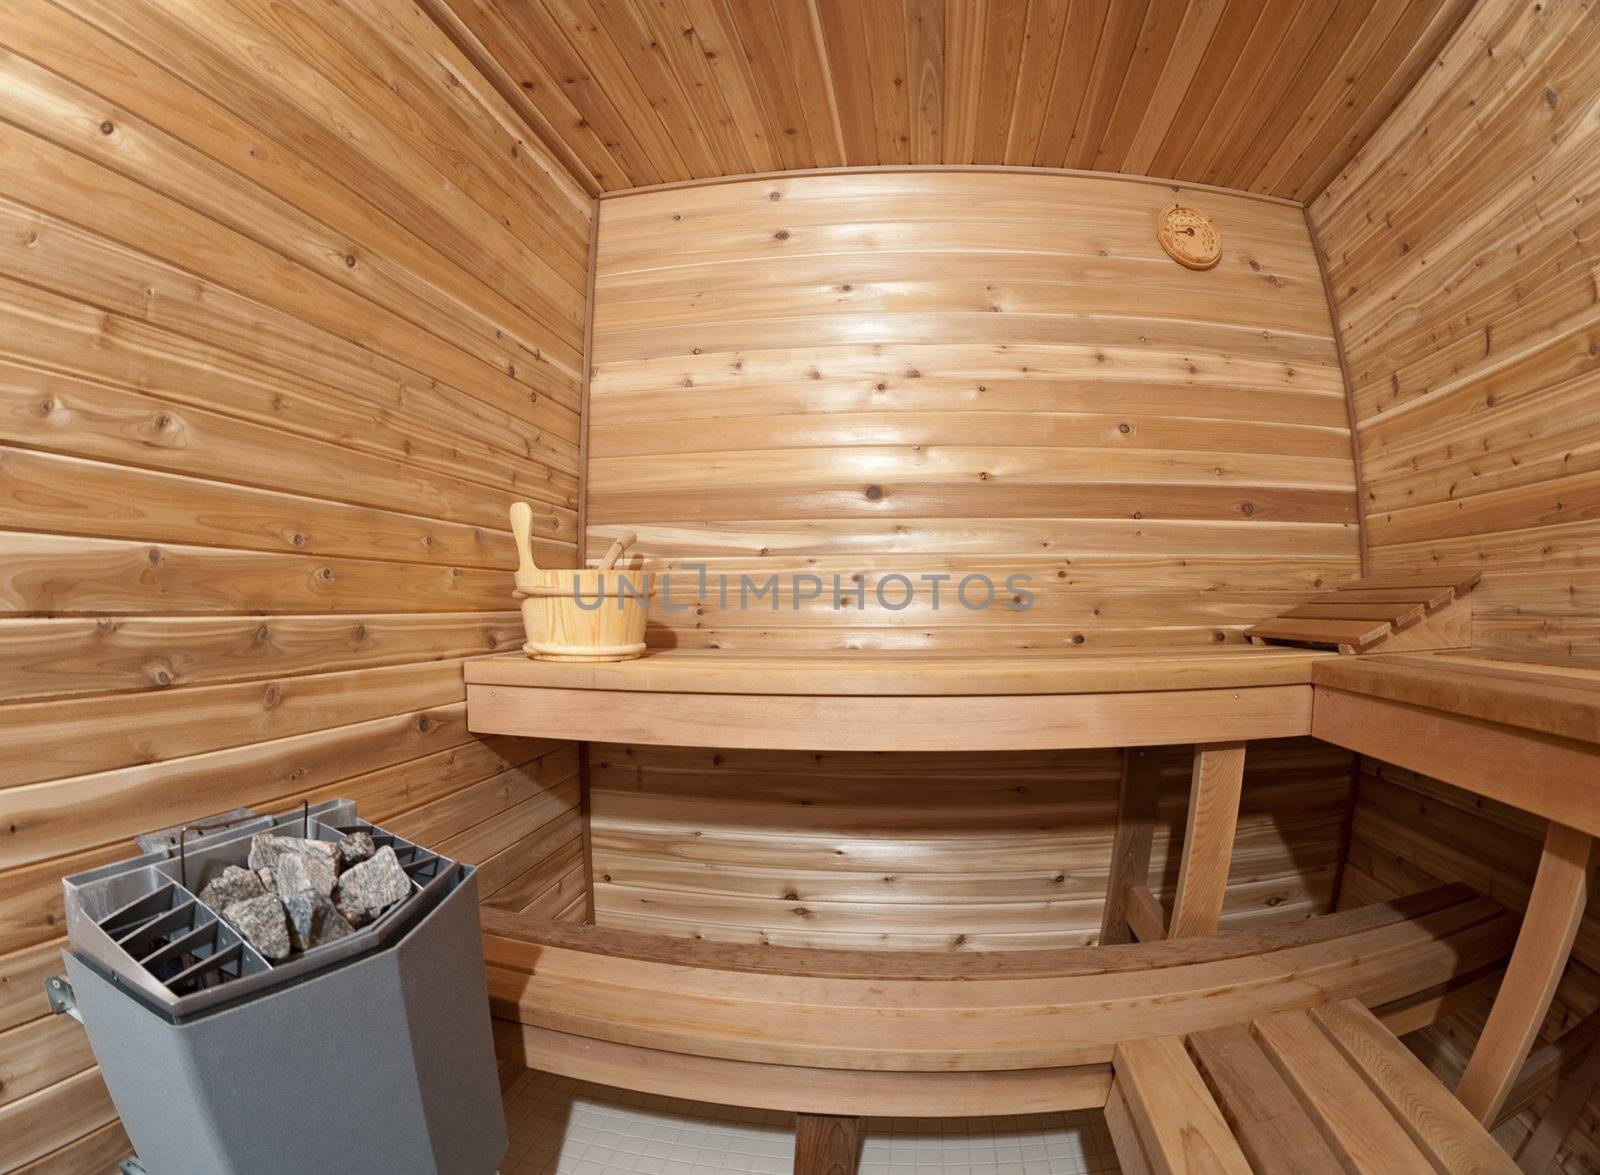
608,626
579,614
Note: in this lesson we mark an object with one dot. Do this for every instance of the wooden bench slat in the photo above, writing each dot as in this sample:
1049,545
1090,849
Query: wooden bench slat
1400,615
1319,1091
1355,633
1431,597
1173,1112
1272,1127
1561,704
1439,1124
995,1023
1460,583
1350,1115
824,962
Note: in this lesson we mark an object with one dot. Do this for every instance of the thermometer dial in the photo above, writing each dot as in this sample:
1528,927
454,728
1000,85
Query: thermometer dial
1189,237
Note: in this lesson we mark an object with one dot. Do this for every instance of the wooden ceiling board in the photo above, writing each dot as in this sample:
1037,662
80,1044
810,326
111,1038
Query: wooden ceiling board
1270,96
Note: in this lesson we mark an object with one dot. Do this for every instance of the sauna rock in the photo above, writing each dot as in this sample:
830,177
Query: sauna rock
355,848
299,893
294,876
314,920
319,858
367,889
261,920
232,885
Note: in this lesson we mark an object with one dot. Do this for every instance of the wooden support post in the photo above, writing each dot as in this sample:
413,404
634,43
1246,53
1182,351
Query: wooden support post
1131,1155
1560,892
1208,842
1146,919
1130,847
826,1145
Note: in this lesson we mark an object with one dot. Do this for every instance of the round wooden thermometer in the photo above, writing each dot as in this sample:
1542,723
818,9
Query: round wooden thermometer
1189,237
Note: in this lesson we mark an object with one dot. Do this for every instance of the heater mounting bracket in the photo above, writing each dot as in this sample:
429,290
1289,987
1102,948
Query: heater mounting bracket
59,993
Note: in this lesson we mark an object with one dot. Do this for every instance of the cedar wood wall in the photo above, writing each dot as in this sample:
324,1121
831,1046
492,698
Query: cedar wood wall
955,372
254,402
1462,251
291,314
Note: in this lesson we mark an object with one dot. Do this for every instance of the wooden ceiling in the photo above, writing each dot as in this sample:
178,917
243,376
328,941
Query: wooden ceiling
1265,95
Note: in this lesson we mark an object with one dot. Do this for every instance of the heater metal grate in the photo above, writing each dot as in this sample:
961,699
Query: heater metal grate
144,922
180,941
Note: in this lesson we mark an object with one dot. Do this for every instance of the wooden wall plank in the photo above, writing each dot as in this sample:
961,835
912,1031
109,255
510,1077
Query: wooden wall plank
1003,851
744,403
842,375
294,310
1460,252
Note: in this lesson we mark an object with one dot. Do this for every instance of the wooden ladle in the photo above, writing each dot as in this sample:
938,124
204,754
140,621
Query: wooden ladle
615,552
522,533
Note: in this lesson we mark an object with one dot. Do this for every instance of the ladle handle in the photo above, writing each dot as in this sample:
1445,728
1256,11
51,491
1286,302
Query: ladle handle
615,552
522,532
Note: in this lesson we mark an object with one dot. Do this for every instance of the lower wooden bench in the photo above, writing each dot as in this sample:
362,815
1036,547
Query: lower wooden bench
836,1035
1327,1089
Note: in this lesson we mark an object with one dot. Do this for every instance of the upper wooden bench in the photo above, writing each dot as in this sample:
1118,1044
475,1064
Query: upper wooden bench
1560,698
1320,1091
913,701
1464,716
1454,715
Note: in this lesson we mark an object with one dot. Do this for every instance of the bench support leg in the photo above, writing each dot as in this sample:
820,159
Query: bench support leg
1560,892
1146,919
826,1145
1130,847
1208,843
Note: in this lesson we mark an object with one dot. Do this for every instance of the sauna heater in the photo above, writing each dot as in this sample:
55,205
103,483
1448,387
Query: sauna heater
372,1051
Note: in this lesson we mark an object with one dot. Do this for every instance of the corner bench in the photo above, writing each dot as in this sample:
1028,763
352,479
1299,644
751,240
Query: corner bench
907,1034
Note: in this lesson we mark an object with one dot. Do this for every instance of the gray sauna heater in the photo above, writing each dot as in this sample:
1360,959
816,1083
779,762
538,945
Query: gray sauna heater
370,1053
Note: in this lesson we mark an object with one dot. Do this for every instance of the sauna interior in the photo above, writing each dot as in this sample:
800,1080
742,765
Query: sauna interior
1119,482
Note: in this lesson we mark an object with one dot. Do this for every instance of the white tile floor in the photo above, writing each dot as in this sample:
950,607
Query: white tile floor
564,1127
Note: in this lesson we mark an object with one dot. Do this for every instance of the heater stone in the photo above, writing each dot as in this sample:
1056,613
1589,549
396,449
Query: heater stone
294,876
319,858
356,847
313,920
261,921
232,885
367,889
